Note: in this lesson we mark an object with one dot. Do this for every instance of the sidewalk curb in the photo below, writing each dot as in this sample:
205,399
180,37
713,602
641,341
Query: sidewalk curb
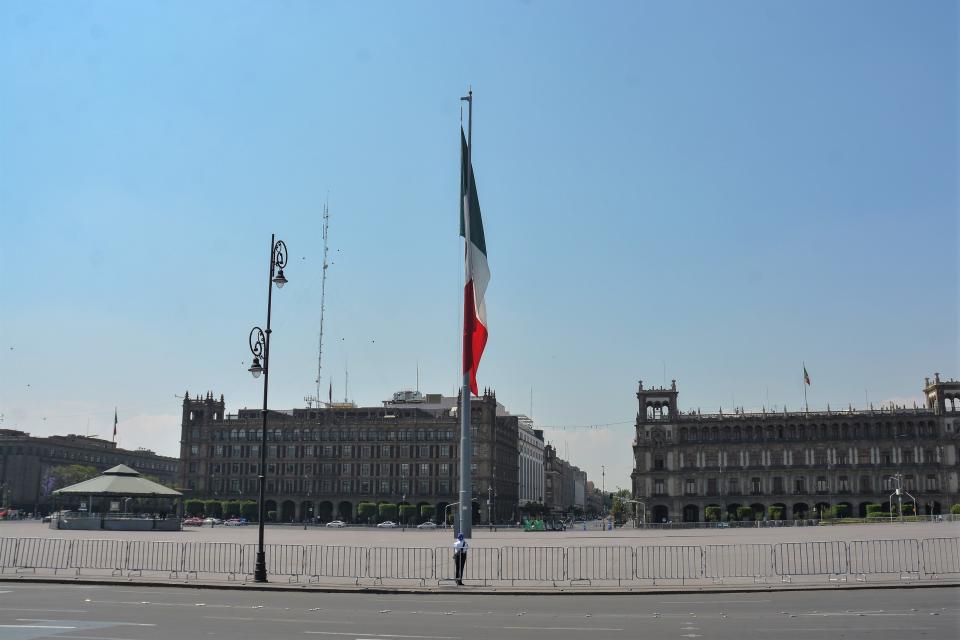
480,590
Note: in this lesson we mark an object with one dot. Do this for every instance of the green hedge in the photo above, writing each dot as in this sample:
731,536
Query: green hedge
955,510
388,511
193,507
407,513
366,512
712,514
427,511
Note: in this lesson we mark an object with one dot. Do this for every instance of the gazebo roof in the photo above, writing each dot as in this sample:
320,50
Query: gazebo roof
120,481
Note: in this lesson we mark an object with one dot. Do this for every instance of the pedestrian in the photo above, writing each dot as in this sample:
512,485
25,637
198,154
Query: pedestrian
460,557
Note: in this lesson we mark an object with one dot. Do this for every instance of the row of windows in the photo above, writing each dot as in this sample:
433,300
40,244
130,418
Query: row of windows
820,458
330,451
777,485
327,469
421,487
331,435
809,432
67,454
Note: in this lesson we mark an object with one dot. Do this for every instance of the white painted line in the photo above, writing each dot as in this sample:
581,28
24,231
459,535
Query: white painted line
21,609
128,624
587,629
33,626
296,621
713,601
380,635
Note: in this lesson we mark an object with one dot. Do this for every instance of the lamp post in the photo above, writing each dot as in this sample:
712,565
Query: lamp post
260,346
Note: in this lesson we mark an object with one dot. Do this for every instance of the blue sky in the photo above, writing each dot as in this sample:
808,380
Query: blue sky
711,192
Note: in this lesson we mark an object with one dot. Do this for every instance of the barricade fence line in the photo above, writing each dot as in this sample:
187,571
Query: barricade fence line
940,556
541,564
334,561
669,562
483,564
8,553
907,556
586,564
99,554
900,556
280,559
810,558
737,561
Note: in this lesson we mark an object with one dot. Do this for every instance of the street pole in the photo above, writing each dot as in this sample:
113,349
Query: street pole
466,486
260,345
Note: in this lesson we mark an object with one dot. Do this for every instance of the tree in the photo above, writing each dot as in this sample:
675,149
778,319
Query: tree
388,511
427,512
249,510
407,513
744,513
366,512
230,508
193,507
213,508
775,513
711,513
65,475
874,510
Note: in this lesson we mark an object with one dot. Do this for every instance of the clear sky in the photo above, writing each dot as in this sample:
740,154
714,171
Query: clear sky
711,192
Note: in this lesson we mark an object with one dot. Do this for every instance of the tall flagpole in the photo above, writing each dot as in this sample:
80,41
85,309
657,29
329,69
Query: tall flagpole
466,449
806,407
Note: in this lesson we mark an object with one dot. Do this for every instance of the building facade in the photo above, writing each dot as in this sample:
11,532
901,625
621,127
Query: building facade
799,463
26,461
530,461
323,462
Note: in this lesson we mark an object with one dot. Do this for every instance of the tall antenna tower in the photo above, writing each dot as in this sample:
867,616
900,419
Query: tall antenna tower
323,300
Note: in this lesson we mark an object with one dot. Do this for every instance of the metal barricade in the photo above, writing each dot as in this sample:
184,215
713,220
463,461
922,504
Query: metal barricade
332,561
400,563
212,557
586,564
810,559
281,560
43,553
669,563
8,553
483,564
738,561
99,554
940,555
161,557
541,564
884,556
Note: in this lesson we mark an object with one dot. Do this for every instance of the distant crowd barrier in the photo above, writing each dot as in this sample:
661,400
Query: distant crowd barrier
904,558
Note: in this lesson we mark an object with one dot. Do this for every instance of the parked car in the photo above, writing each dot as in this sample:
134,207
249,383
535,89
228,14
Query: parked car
336,524
236,522
388,524
212,521
193,522
427,525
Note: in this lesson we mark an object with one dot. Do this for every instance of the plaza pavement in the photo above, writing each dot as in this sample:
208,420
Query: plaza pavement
535,580
482,537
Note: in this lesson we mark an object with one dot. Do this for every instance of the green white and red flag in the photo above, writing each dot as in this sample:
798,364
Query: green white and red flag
477,272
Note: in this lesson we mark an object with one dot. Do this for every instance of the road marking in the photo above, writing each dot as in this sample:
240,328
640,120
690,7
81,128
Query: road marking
563,628
33,626
308,621
129,624
380,635
20,609
834,629
713,601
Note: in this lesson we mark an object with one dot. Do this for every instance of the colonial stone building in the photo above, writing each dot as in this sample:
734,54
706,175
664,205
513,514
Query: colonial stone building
323,462
800,462
26,461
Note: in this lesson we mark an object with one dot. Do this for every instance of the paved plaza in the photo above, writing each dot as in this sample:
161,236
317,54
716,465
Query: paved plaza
622,560
482,537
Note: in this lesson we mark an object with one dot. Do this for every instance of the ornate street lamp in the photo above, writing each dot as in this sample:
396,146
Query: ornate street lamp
260,348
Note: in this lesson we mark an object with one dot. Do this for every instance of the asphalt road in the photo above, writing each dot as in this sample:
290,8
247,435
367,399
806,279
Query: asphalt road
32,611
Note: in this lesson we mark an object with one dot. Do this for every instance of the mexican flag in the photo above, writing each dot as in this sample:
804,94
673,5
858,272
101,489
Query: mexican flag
477,272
